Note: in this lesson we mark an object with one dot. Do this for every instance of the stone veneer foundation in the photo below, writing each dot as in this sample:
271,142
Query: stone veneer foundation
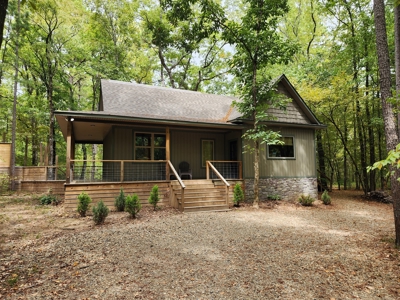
285,188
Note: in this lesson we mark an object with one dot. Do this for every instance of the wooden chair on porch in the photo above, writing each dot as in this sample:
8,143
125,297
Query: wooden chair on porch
184,170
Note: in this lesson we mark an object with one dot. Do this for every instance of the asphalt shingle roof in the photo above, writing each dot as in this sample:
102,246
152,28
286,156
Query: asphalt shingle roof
140,100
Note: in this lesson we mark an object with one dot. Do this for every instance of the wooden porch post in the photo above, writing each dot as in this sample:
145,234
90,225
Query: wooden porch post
70,149
167,152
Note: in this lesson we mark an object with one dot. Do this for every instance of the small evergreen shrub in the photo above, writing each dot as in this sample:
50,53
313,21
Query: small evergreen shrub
83,204
47,199
133,205
274,197
154,197
326,199
100,212
306,200
120,201
238,195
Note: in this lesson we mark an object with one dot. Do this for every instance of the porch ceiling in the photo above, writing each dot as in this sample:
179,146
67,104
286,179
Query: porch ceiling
85,131
92,127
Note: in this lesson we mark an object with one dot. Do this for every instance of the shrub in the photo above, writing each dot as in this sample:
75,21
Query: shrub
306,200
326,199
238,195
49,199
133,205
83,204
5,181
100,212
154,197
120,201
274,197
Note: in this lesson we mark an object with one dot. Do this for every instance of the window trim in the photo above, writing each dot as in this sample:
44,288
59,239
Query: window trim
151,147
201,149
284,158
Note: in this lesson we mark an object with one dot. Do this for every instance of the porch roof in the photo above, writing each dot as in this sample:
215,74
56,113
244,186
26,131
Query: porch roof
93,126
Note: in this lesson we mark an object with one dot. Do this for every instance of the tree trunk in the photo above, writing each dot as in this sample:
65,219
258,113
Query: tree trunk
387,109
3,14
397,57
345,164
83,171
321,161
256,173
14,111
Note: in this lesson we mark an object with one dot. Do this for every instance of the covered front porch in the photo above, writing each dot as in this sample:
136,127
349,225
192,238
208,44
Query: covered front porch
138,154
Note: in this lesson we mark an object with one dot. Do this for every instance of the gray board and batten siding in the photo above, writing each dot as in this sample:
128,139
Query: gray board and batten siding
185,145
303,165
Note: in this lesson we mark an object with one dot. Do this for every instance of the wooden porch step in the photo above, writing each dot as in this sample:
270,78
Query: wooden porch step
194,186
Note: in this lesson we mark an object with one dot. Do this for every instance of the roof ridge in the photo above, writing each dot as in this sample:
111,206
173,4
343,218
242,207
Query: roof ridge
167,88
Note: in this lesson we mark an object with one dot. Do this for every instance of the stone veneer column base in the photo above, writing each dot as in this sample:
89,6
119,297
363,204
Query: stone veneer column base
285,188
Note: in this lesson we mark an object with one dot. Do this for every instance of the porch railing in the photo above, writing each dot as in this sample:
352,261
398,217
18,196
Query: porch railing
118,170
228,169
210,167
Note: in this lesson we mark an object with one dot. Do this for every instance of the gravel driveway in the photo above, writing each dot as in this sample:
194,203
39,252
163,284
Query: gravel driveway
288,252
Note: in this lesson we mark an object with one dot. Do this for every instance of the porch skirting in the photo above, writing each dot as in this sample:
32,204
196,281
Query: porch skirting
286,188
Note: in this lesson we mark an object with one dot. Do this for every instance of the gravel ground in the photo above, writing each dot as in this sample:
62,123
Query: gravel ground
344,251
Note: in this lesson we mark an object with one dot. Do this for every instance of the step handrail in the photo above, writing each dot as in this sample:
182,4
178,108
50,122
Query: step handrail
176,174
217,173
180,182
209,164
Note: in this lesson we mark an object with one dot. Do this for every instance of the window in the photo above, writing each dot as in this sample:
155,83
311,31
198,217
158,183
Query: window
207,151
282,151
150,146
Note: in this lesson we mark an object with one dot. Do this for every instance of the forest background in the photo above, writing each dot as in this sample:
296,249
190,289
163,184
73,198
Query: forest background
63,49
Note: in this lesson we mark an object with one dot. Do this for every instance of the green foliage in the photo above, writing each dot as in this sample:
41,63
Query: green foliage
274,197
120,201
12,280
393,159
306,200
133,205
49,199
154,197
326,199
238,195
4,183
100,213
83,204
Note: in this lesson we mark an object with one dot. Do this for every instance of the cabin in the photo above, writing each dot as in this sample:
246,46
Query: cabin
189,144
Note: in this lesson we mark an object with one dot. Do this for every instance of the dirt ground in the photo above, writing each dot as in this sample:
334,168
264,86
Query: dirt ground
357,226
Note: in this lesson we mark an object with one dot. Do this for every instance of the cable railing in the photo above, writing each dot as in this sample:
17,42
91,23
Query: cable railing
228,169
118,170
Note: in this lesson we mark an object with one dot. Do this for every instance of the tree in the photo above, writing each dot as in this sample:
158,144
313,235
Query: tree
258,45
187,41
3,13
387,107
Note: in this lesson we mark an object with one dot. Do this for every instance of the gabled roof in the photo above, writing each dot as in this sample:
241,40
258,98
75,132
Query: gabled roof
154,102
132,103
